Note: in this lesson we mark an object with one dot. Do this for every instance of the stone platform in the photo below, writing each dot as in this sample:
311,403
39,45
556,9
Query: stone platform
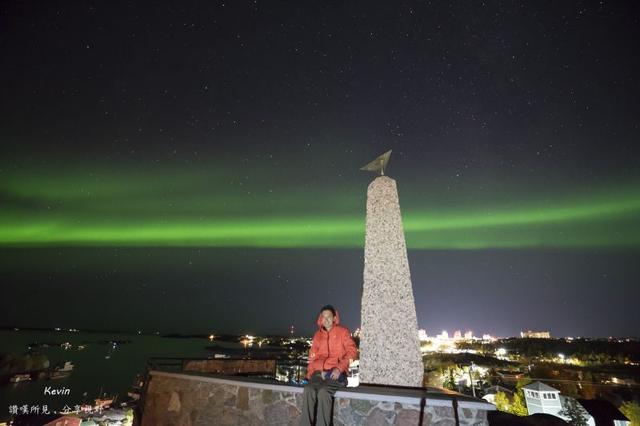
194,399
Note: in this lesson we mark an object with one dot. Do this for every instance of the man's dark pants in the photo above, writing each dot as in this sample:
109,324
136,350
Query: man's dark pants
320,391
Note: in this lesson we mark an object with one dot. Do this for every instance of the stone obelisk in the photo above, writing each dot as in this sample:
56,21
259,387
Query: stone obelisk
389,346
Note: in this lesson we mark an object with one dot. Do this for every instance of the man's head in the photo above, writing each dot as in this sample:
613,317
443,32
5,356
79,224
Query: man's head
328,313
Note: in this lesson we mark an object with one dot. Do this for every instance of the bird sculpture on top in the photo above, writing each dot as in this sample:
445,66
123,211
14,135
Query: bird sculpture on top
379,164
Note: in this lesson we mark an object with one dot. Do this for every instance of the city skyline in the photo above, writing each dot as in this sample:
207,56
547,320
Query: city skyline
457,334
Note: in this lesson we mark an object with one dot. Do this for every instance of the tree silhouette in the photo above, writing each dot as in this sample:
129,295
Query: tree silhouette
574,411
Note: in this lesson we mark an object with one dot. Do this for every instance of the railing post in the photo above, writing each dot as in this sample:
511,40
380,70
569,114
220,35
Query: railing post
143,392
423,402
454,403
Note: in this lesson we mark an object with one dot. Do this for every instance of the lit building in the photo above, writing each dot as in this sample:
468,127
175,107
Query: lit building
449,344
535,334
541,398
488,338
422,335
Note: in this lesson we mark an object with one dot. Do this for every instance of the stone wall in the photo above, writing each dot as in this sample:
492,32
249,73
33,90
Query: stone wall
231,366
186,400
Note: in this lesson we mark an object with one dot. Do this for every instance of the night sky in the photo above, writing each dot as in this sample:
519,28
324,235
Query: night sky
194,168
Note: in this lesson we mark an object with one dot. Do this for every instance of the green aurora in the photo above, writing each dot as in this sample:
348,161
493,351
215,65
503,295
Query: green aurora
194,208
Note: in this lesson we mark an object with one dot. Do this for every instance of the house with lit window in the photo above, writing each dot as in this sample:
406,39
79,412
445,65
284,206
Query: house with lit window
541,398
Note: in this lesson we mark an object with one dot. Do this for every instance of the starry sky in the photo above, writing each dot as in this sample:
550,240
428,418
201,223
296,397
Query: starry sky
194,167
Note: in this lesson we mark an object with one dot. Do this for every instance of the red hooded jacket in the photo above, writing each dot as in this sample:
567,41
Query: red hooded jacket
333,348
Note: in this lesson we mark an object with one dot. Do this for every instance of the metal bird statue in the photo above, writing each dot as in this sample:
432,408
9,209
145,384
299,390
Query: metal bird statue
379,164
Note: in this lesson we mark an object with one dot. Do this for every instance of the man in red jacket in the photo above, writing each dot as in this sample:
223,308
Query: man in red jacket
331,352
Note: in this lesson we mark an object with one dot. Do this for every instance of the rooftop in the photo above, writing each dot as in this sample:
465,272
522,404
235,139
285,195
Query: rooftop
539,386
603,412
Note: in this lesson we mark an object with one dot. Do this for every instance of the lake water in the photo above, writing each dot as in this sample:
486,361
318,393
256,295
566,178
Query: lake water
93,373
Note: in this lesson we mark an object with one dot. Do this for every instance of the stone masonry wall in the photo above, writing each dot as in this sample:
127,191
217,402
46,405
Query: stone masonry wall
174,401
